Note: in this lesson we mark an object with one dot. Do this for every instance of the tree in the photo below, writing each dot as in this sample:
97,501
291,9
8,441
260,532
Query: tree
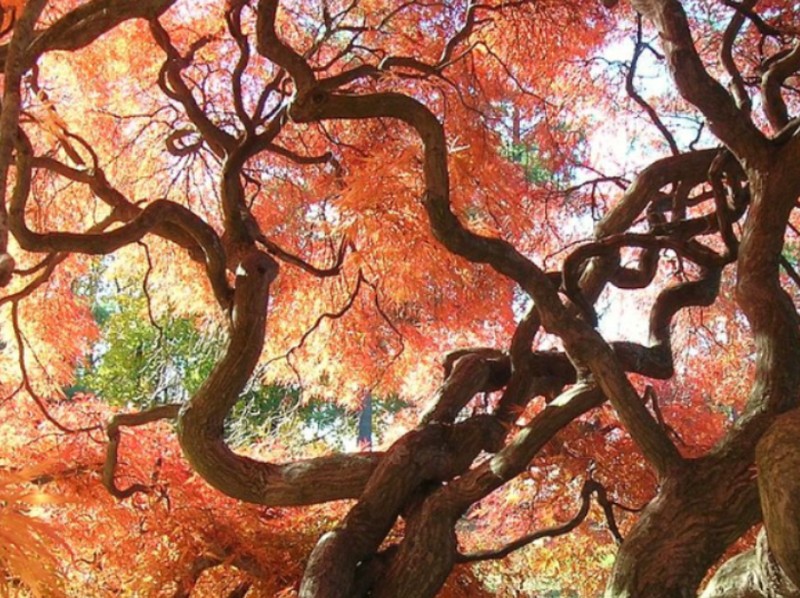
355,190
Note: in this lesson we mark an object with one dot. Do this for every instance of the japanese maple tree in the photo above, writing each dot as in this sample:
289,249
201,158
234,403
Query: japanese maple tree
562,231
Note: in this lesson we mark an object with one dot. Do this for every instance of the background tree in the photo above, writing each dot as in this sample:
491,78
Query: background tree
356,191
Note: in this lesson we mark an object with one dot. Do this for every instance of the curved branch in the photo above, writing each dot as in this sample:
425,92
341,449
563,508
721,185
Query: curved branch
201,421
771,82
611,245
584,345
428,455
26,381
763,27
690,168
81,26
112,431
172,84
589,487
471,373
283,255
435,519
233,18
100,243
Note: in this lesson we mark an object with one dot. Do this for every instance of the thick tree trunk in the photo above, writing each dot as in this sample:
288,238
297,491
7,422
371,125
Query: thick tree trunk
778,460
770,569
752,574
703,509
697,514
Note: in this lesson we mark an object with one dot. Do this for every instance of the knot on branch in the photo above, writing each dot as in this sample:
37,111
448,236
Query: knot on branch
497,361
256,263
308,107
6,269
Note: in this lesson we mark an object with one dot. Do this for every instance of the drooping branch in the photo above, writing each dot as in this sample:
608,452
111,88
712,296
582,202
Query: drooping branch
19,337
122,209
47,266
290,258
589,488
724,213
113,432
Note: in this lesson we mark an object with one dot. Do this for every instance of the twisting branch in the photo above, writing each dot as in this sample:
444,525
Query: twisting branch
99,243
171,82
177,145
584,344
15,67
438,514
771,82
113,432
690,249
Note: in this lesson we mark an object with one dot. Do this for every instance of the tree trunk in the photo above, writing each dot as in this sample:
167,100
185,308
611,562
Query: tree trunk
778,460
697,514
752,574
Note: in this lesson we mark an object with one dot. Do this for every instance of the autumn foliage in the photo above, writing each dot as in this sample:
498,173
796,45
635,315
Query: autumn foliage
547,249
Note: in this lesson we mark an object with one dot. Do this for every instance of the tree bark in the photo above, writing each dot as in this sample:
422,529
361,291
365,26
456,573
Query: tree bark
696,515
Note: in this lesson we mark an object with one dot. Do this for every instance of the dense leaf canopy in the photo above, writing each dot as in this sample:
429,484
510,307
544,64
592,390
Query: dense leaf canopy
541,254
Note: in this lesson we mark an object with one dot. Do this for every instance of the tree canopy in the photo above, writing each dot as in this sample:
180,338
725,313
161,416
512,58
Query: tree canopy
549,247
